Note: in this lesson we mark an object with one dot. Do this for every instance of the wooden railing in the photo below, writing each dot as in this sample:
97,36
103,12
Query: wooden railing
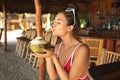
109,56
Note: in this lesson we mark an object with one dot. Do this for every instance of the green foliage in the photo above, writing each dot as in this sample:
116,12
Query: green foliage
83,16
83,19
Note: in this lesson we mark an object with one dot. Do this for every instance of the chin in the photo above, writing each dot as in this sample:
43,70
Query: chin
54,35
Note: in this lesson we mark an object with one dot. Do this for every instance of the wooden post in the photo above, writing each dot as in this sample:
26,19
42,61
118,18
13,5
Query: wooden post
38,17
5,26
117,46
39,33
110,45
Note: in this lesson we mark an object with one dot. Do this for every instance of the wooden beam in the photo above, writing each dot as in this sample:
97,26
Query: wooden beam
47,5
5,25
38,17
38,7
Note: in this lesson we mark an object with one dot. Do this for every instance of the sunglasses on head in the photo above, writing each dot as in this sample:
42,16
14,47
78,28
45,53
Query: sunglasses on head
73,10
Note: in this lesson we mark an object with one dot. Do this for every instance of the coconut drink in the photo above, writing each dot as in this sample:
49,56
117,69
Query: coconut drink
37,45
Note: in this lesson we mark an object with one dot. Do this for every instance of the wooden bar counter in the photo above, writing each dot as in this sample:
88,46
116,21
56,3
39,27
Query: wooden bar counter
111,37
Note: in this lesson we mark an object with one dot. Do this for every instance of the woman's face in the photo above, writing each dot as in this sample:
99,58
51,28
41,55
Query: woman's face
60,27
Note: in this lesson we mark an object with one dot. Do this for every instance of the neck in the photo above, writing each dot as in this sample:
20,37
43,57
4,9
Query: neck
68,41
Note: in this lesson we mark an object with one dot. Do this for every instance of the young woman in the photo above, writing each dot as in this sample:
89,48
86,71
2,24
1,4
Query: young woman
70,59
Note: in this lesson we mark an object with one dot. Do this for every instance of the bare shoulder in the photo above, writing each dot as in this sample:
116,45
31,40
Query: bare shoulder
83,49
85,46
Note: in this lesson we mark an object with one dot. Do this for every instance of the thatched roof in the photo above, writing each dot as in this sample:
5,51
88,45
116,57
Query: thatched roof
21,6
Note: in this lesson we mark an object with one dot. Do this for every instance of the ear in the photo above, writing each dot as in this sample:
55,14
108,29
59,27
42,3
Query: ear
70,28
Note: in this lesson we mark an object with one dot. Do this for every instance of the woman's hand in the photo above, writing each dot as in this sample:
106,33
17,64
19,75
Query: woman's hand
46,53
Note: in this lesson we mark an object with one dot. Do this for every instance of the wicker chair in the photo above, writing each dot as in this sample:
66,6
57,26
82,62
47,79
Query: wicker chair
95,46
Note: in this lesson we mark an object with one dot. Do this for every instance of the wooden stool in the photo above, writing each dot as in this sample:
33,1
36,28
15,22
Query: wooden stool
1,30
33,60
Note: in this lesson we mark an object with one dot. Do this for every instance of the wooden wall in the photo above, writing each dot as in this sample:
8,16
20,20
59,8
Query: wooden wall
106,10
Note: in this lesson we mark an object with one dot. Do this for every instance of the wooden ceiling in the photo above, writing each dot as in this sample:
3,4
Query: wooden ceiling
21,6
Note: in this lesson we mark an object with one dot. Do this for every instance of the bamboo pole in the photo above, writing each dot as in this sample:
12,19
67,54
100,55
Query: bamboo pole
39,33
5,26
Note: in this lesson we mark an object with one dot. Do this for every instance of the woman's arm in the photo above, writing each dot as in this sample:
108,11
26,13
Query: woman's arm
50,68
80,64
50,65
60,70
52,62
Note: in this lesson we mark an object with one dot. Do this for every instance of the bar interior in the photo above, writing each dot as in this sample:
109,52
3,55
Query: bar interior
99,29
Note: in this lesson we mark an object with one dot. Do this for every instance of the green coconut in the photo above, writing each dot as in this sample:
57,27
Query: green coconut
37,44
